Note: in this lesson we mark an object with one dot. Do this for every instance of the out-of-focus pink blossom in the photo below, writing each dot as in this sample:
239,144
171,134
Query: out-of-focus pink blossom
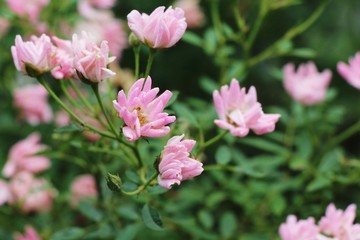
27,8
62,118
90,61
29,234
240,111
142,111
87,8
30,194
193,13
5,194
160,29
35,54
339,223
176,165
307,86
293,229
32,102
103,26
22,157
4,26
83,186
351,72
62,59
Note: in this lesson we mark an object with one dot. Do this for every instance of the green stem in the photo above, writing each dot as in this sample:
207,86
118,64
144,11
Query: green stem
211,141
137,62
255,29
343,136
67,95
215,16
83,100
141,187
71,113
95,88
149,62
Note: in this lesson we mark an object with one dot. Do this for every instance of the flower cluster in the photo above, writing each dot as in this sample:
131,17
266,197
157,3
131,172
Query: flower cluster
63,58
336,224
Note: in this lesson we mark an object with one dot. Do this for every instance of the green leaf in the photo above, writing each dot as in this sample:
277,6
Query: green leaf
303,52
183,111
90,211
206,219
208,85
129,232
228,224
68,234
72,127
264,144
151,218
193,39
128,212
318,183
223,155
102,232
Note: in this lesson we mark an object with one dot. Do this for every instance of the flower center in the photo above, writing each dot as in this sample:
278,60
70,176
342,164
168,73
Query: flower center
141,116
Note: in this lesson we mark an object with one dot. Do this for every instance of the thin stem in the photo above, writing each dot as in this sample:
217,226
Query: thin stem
343,136
255,29
137,61
215,16
83,100
95,88
71,113
149,62
67,95
212,141
141,187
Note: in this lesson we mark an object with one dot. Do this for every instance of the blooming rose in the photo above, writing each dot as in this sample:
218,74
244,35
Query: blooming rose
351,72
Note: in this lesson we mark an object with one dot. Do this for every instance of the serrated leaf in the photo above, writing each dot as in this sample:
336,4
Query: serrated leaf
151,218
68,234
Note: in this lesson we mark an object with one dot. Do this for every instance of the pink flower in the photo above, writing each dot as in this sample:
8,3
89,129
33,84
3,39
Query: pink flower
351,72
22,157
298,230
339,223
62,59
62,118
33,55
27,8
193,14
90,61
240,111
307,85
30,194
84,186
103,26
160,29
86,6
30,234
142,111
5,194
32,102
176,165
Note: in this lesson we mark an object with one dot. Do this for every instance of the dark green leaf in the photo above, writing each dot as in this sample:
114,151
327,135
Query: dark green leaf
151,218
68,234
90,211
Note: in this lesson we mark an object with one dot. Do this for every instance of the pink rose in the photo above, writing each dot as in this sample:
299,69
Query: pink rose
176,165
351,71
22,157
62,59
30,194
298,230
5,194
161,29
142,111
27,8
307,86
90,61
83,186
4,26
29,234
240,111
31,100
193,14
32,57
